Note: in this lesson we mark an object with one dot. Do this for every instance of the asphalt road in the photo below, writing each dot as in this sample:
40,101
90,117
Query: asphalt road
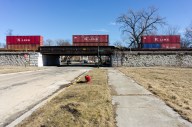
19,92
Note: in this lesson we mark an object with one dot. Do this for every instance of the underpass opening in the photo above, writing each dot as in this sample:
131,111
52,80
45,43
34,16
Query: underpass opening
77,55
92,61
51,60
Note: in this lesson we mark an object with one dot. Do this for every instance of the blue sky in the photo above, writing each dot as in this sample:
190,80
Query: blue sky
60,19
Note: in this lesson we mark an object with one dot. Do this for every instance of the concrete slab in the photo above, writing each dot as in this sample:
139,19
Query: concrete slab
145,111
137,107
124,85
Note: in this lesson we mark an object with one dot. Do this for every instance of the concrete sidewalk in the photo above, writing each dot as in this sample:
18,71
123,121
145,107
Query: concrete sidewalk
137,107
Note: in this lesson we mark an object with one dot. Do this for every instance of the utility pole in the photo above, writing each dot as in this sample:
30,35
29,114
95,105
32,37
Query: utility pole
98,55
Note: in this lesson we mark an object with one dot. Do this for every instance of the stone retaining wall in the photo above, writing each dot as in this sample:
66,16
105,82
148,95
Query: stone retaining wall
120,58
19,58
145,59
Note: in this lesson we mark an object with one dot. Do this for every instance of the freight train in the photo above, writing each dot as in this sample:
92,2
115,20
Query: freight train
29,43
32,43
161,42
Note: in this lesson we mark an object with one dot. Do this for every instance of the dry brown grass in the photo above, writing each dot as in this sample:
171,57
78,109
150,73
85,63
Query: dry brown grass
80,105
173,85
15,69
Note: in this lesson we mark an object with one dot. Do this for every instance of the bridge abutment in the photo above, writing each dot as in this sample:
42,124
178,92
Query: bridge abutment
21,59
151,58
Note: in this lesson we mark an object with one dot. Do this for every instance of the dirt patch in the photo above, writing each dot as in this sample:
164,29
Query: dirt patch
173,85
80,105
15,69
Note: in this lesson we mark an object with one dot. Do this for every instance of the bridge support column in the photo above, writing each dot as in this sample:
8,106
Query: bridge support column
40,60
111,60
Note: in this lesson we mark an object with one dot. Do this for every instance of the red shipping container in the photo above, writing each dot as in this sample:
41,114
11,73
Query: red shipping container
161,39
8,46
33,39
12,47
41,41
170,46
19,47
19,40
15,47
90,38
7,40
23,47
90,44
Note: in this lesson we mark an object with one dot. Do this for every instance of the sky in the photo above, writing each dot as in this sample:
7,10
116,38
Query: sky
60,19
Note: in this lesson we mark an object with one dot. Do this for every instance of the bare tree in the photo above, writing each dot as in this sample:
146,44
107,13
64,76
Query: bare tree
138,23
185,43
61,42
187,40
49,42
118,44
172,30
188,32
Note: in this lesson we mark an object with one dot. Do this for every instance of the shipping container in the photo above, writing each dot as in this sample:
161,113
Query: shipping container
89,44
90,38
20,40
151,46
161,39
30,47
170,46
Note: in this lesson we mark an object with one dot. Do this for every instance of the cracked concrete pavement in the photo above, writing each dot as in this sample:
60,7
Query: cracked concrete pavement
137,107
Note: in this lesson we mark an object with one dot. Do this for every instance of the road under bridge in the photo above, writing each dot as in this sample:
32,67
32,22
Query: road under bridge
51,54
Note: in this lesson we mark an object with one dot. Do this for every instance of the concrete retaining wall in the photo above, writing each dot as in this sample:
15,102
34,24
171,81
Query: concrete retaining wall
144,59
21,59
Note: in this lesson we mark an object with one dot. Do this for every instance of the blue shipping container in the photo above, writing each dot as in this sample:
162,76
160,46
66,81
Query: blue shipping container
152,46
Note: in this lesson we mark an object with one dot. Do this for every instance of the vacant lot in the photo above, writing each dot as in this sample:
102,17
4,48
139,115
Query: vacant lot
14,69
173,85
80,105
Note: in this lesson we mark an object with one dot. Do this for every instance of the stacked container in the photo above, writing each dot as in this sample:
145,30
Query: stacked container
24,42
163,42
90,40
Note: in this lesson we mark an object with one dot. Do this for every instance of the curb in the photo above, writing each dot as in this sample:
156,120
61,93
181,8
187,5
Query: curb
42,102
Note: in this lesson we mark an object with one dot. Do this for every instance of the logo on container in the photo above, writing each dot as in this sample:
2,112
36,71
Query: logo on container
161,39
23,40
91,38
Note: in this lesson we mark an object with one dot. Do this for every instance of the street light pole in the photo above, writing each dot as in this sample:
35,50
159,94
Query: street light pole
98,55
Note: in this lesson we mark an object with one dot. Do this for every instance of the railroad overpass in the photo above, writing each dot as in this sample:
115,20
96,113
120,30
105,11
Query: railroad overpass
77,50
51,54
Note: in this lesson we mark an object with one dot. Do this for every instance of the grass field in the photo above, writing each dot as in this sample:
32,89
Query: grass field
80,105
14,69
173,85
